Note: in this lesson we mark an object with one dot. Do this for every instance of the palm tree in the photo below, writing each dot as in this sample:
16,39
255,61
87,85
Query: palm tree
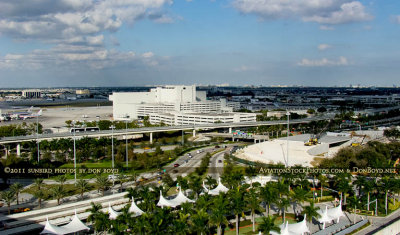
94,210
61,179
311,211
199,222
121,179
58,193
102,183
386,185
218,212
237,204
298,195
253,203
355,202
211,182
269,195
195,185
323,181
180,224
17,188
268,224
283,204
8,197
38,183
39,195
82,186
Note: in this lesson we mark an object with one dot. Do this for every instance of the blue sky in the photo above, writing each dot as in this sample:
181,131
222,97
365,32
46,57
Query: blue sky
46,43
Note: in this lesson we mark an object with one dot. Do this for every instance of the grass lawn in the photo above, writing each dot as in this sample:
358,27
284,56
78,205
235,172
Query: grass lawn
70,190
246,227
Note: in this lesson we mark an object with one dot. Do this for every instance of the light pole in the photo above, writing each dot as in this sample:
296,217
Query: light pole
112,150
287,138
126,139
37,137
74,149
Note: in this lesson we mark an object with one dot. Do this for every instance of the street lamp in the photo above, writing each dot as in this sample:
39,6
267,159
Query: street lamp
74,148
126,139
37,137
287,138
112,149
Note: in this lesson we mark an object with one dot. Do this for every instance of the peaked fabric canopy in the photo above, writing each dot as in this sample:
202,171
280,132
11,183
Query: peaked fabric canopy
135,209
220,188
336,212
112,213
284,230
299,228
177,201
74,226
324,218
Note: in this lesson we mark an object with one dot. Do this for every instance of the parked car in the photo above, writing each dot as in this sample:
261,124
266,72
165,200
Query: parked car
176,165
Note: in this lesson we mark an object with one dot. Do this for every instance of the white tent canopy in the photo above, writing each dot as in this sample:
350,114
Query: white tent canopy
135,209
336,212
112,213
177,201
220,188
74,226
284,230
324,218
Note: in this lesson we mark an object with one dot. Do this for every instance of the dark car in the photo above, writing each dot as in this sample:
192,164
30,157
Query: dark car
176,165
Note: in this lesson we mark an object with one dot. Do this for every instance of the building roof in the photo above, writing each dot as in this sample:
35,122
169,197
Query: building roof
74,226
220,188
135,209
112,213
177,201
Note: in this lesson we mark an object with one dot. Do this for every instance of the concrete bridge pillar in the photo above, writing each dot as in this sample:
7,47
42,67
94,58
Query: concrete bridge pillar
230,129
255,140
18,149
194,133
151,137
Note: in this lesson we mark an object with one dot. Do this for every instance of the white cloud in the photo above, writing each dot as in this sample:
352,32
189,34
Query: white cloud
323,47
79,57
396,19
243,68
342,61
324,27
320,11
66,21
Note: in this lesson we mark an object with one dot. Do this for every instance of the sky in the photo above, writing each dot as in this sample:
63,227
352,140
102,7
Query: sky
58,43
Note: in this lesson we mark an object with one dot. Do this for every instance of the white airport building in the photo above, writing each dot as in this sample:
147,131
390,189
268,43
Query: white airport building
176,105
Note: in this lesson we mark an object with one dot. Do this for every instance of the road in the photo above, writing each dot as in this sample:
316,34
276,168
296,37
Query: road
18,139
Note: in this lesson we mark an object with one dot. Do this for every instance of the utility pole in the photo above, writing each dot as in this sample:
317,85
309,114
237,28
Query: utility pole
287,138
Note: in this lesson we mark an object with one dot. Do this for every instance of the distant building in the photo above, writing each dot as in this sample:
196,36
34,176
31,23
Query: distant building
29,94
165,99
82,93
178,118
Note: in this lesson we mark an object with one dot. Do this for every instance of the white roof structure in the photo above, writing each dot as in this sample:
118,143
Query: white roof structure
74,226
112,213
299,228
220,188
284,230
177,201
336,212
324,218
135,209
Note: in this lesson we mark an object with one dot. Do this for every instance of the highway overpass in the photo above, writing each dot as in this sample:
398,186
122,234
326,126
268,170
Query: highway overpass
150,130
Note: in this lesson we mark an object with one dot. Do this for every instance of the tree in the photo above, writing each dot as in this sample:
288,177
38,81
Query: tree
218,212
82,186
323,181
8,197
102,183
268,195
268,224
298,195
17,188
237,204
310,111
121,179
58,193
311,211
61,179
39,195
283,203
199,222
253,203
321,109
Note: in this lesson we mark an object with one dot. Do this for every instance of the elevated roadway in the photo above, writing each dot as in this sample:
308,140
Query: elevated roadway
150,130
